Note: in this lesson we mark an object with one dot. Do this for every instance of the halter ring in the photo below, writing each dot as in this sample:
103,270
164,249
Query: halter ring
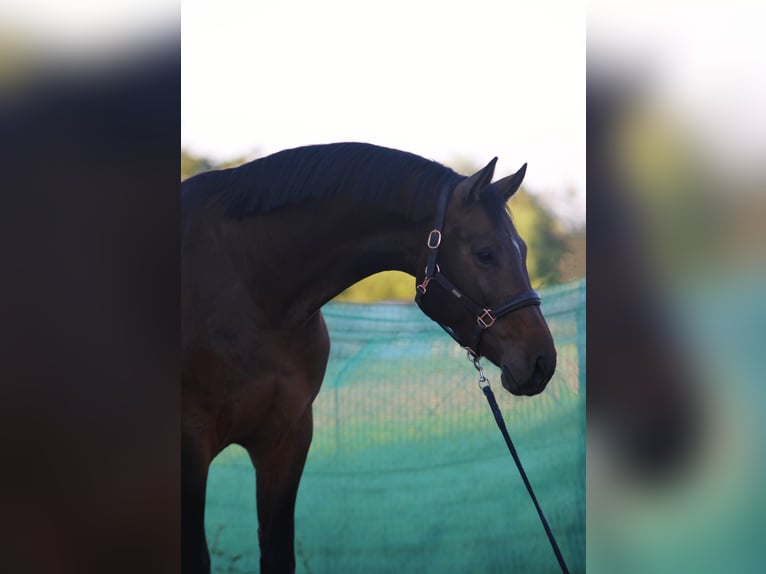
438,239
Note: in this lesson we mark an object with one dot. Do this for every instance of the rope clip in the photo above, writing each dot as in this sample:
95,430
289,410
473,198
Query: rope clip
476,361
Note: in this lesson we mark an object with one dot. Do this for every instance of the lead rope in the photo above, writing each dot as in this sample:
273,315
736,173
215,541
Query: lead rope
484,386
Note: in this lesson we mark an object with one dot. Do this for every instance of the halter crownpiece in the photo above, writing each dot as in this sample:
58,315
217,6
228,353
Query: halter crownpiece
485,317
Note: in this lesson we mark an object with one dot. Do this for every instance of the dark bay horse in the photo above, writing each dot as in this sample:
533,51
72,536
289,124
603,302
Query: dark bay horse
266,244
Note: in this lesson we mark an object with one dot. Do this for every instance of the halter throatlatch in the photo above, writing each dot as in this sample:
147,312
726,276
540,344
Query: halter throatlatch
485,317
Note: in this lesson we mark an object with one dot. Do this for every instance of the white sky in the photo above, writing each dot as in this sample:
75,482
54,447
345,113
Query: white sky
442,79
445,79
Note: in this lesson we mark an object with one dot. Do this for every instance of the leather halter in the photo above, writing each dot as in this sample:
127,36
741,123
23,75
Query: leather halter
485,317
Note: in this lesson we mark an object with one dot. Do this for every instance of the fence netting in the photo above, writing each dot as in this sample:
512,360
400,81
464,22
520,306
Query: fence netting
407,471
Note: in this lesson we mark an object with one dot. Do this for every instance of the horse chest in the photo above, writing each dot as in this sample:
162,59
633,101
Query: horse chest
265,380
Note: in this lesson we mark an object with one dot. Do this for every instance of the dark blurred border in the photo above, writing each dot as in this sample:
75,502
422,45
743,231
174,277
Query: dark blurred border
676,317
90,267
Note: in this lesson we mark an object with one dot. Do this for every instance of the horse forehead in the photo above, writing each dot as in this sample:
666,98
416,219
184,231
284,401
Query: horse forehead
498,224
507,229
491,217
510,234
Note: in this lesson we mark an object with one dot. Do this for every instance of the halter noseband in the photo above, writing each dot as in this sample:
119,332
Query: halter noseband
485,317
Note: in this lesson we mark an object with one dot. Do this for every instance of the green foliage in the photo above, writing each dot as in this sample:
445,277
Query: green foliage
385,286
572,262
192,164
545,244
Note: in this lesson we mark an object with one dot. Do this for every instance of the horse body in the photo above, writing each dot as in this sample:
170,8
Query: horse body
255,345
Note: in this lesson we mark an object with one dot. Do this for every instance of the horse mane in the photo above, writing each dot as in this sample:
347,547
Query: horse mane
358,171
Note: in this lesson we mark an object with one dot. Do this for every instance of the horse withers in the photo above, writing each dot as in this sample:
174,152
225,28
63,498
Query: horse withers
266,244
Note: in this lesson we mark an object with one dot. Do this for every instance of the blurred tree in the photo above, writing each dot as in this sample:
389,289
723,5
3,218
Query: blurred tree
545,242
192,164
572,263
385,286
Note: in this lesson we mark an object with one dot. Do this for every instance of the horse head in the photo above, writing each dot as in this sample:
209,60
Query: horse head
485,300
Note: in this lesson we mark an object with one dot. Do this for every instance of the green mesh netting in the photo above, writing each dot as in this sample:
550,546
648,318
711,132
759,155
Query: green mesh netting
408,472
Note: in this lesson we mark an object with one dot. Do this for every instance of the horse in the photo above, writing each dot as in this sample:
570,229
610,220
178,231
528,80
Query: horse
265,245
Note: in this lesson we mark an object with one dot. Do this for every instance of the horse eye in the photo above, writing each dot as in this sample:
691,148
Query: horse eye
485,256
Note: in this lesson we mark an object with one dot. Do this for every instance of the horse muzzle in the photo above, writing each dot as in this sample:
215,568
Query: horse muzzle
532,379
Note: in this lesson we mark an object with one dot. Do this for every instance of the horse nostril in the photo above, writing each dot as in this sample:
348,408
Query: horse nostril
540,364
544,367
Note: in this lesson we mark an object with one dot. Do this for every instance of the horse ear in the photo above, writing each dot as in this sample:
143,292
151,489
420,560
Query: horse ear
470,188
510,185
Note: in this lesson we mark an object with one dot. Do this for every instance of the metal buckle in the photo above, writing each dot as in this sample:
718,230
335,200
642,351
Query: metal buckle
427,279
482,319
438,238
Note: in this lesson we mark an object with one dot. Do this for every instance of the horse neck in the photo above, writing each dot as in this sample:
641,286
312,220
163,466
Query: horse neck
300,258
